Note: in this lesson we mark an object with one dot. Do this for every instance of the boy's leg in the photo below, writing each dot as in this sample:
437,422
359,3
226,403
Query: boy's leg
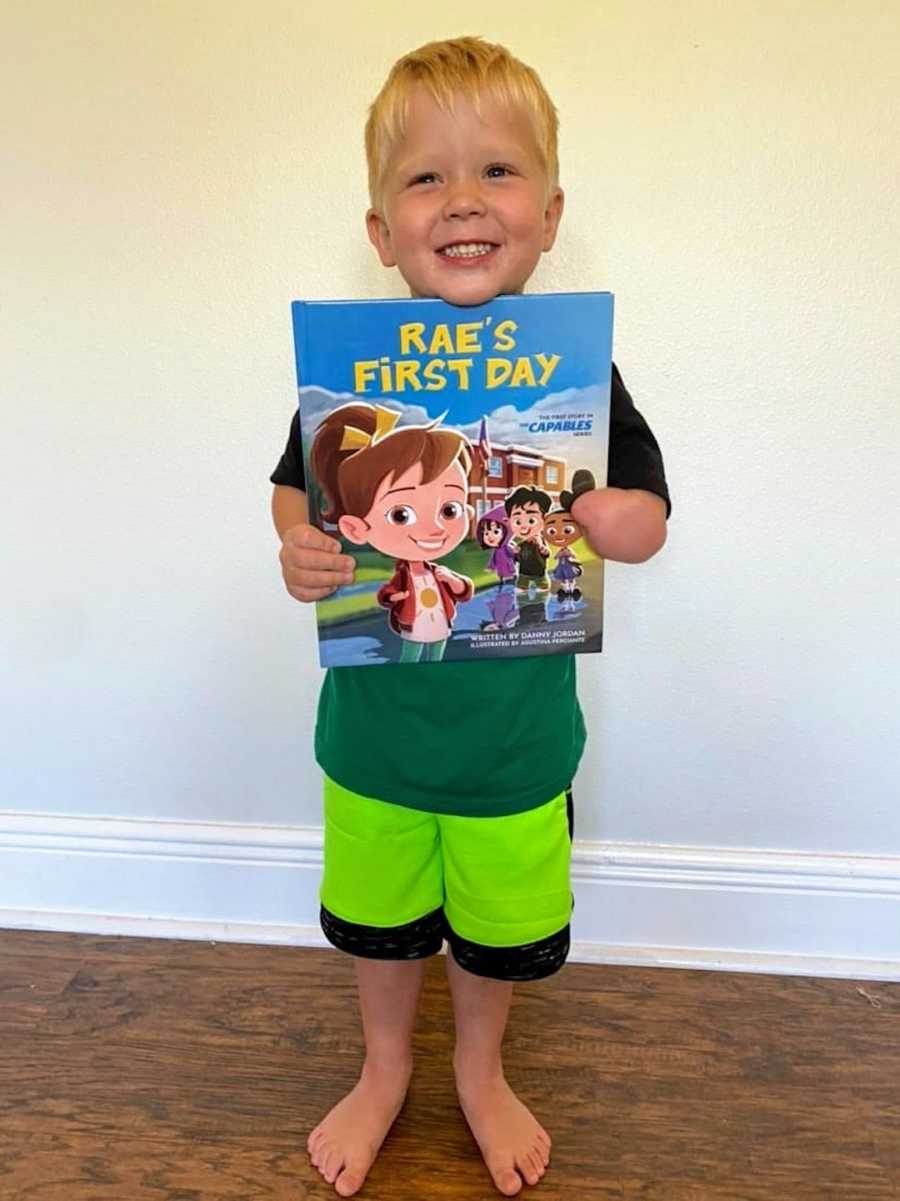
381,896
514,1144
344,1145
507,907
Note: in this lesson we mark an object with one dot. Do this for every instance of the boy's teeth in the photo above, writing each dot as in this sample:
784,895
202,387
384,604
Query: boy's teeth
467,249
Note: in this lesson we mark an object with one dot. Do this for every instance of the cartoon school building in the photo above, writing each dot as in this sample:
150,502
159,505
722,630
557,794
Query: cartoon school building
512,467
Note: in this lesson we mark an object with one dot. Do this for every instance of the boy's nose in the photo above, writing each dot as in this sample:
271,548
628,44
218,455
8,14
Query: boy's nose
464,200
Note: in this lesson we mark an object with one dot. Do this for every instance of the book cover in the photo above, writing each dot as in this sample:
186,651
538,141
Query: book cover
444,448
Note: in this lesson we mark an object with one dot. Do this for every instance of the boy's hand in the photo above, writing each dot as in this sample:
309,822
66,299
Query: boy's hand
312,563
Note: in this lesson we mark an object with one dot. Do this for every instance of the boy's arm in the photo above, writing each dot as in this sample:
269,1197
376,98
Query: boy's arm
312,564
288,508
627,525
626,521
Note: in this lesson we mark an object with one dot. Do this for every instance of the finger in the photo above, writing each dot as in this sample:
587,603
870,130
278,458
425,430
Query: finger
314,579
301,559
308,537
309,594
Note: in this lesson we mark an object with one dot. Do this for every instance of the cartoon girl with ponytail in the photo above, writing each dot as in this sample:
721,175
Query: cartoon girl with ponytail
403,492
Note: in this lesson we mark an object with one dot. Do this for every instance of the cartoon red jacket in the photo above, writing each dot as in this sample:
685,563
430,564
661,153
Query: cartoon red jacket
403,612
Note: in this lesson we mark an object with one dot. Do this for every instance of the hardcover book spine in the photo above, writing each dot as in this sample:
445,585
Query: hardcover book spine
300,319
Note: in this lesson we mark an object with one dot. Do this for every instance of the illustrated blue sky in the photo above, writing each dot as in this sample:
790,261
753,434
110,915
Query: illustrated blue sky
506,423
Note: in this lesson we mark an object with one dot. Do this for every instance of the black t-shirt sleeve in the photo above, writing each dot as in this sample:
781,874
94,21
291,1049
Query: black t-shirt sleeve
290,466
635,460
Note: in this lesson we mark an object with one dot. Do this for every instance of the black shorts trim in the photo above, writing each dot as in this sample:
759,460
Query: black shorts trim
414,940
531,961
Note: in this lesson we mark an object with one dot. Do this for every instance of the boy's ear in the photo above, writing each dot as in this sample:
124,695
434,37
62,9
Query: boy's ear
552,215
380,237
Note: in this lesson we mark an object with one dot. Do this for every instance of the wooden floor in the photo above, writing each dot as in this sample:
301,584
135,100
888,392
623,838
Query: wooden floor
134,1069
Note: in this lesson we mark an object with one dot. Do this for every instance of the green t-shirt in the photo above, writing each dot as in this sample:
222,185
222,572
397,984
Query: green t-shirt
481,739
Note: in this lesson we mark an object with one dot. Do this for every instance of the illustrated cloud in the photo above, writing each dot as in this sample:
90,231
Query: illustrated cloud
506,423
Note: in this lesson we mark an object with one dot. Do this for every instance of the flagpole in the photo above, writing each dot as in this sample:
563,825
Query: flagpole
484,453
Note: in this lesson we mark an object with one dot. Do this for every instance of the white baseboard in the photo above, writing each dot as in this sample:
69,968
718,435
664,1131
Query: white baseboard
653,905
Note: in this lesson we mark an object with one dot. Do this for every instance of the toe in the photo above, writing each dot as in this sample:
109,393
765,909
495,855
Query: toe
528,1168
349,1182
331,1166
508,1182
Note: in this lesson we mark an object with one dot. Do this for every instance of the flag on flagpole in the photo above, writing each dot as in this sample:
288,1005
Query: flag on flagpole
484,444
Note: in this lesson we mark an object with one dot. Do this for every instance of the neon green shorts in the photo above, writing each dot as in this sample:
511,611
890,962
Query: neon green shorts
495,882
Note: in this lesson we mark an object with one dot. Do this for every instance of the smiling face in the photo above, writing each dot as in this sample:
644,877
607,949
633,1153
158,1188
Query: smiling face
493,533
527,521
466,209
561,529
411,520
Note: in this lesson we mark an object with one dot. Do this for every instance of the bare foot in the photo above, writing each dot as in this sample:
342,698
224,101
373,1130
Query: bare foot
345,1143
514,1145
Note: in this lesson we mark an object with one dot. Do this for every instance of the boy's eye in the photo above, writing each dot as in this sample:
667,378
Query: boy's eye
425,177
568,530
451,510
497,171
401,515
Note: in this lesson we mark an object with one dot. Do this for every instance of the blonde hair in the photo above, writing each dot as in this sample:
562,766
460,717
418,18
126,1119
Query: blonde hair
472,67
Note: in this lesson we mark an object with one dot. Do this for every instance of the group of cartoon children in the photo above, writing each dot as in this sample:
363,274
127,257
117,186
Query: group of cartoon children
517,533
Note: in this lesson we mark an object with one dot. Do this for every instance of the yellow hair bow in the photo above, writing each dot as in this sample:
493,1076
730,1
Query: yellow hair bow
356,439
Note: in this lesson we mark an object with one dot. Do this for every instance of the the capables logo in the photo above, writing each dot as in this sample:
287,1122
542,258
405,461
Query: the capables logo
567,425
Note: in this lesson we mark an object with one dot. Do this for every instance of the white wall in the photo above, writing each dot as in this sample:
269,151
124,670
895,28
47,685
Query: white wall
174,174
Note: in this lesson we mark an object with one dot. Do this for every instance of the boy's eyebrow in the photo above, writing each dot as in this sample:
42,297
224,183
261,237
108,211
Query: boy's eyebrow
427,160
415,165
459,486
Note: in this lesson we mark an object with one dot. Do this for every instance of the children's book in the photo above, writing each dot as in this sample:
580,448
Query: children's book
444,447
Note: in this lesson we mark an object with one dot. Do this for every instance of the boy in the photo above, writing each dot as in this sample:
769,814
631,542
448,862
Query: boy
526,509
436,827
